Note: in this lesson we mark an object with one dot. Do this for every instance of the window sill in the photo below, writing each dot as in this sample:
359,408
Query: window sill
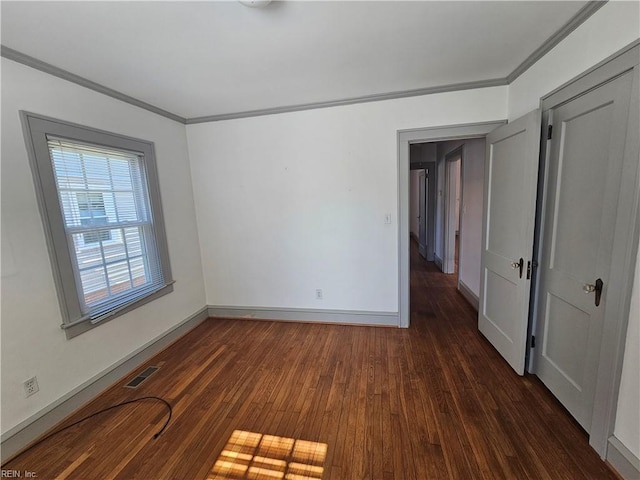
75,330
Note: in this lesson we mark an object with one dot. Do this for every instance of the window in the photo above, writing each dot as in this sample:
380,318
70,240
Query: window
92,212
100,204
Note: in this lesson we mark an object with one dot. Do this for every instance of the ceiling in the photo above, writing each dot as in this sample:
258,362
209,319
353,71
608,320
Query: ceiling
199,59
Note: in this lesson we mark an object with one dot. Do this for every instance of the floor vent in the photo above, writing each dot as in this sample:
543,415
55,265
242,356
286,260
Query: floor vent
142,377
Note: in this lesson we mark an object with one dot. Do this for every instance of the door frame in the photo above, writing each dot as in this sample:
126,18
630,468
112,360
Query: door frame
625,245
404,139
449,158
431,201
423,178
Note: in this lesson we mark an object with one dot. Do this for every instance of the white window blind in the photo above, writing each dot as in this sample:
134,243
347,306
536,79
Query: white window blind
108,221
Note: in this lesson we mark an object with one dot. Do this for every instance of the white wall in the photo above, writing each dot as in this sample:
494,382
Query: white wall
611,28
293,202
32,341
628,420
471,221
450,197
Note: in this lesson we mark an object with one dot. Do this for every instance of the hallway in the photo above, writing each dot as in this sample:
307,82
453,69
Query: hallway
509,425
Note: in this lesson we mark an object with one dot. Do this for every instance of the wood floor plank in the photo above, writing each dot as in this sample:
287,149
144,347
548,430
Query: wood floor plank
435,401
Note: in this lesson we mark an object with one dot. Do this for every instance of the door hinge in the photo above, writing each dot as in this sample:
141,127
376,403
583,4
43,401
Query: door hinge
533,341
549,132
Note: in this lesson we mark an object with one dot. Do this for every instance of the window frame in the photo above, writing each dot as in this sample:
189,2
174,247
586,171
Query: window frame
36,128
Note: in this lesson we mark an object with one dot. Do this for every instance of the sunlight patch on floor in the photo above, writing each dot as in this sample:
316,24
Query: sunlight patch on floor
256,456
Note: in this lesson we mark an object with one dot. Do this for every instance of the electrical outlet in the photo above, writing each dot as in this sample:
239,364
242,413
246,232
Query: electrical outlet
31,386
319,294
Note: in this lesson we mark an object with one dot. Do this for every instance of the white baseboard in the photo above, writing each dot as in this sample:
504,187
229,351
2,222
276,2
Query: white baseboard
623,460
16,438
471,297
438,261
343,317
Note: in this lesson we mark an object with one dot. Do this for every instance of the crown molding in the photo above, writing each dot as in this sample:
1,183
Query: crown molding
578,19
350,101
583,14
32,62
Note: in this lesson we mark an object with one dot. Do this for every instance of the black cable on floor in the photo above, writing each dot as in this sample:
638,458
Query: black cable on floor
93,415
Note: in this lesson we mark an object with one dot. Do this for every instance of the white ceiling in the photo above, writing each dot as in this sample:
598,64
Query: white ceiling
210,58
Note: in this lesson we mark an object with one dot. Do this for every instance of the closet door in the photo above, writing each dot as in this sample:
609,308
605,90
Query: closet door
586,153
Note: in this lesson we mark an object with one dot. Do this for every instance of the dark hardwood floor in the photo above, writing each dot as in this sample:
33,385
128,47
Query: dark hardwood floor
256,399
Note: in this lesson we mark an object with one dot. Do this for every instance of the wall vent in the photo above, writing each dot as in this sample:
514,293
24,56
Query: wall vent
141,377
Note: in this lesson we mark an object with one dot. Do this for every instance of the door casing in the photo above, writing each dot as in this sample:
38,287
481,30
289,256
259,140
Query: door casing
431,210
404,139
448,243
422,209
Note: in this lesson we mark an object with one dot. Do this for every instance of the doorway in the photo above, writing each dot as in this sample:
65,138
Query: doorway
422,197
452,231
405,139
419,206
518,267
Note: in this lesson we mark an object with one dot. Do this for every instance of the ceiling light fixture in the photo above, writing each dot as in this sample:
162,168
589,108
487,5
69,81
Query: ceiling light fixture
255,3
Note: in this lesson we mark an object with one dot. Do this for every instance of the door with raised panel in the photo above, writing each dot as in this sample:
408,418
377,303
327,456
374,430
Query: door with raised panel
585,158
511,173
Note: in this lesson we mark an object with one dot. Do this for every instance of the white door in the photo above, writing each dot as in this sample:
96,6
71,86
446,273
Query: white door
422,215
511,174
583,182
